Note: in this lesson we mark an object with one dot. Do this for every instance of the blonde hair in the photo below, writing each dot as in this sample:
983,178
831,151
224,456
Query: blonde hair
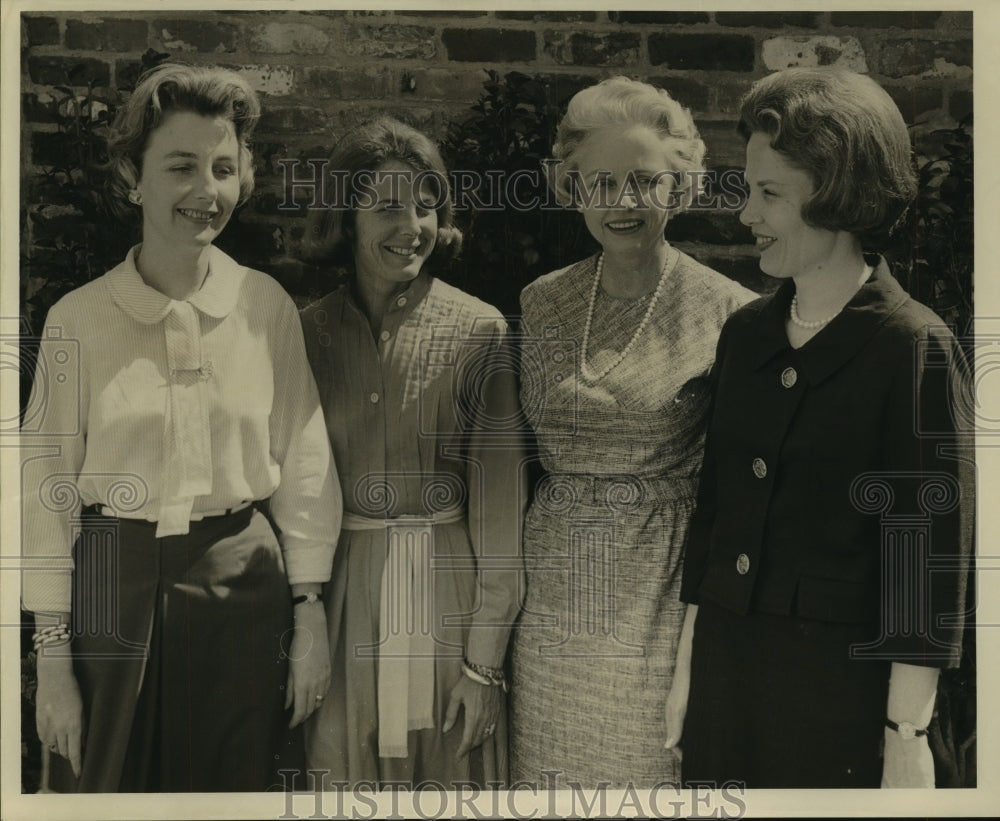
618,103
169,87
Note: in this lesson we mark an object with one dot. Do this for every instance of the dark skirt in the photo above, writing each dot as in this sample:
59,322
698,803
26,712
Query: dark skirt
777,702
177,648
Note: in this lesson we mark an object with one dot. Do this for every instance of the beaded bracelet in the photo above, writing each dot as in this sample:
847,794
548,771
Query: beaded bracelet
487,676
53,634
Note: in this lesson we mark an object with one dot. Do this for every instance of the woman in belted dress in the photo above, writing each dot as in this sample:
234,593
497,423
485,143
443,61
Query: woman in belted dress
419,391
174,406
615,361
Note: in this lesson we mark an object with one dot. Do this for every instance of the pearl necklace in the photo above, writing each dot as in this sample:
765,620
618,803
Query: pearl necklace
585,371
793,314
793,310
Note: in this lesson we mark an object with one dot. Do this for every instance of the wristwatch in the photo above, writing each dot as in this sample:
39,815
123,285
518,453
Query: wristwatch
307,598
906,730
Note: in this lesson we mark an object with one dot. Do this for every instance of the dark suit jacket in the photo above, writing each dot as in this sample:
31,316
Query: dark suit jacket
838,479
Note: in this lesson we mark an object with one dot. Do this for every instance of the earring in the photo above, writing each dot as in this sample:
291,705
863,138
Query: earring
134,197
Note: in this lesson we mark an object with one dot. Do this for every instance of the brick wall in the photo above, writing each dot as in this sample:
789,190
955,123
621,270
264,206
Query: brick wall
320,71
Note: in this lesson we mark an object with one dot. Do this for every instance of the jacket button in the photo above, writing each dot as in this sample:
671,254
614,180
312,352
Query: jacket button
759,468
788,377
743,564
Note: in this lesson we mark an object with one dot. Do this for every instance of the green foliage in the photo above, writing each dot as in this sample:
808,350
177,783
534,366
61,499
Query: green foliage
511,129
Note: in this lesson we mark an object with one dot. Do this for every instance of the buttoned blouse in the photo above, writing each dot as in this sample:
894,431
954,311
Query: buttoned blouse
170,410
838,477
423,418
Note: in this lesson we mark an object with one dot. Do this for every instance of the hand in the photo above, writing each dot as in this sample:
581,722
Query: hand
482,709
59,709
308,663
907,763
676,709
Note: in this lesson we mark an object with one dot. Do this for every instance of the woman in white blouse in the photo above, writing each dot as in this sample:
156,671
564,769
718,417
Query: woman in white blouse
178,400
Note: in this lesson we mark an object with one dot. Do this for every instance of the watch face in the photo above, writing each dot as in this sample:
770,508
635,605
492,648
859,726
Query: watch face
907,731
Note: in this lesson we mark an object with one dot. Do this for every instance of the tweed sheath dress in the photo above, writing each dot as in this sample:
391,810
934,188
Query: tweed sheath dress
594,651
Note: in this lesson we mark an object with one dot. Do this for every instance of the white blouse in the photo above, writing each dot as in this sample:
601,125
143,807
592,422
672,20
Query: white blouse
169,411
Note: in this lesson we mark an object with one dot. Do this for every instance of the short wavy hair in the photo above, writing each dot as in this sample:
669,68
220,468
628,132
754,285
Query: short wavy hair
170,87
618,103
845,131
329,231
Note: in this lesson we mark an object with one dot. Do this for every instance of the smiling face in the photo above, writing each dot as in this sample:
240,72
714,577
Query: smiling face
190,180
626,177
778,191
394,237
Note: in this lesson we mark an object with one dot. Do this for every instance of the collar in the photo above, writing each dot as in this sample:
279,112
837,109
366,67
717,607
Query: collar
217,296
402,303
875,301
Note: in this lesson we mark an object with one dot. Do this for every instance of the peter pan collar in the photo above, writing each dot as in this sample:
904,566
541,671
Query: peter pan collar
847,333
217,296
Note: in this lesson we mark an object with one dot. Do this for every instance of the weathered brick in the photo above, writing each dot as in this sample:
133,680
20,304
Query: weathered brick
690,93
287,38
960,104
886,19
196,35
449,13
562,87
915,100
299,119
71,71
441,84
489,45
275,81
391,41
901,58
710,52
350,115
107,35
660,18
824,50
725,146
615,49
41,31
768,19
326,83
548,16
39,108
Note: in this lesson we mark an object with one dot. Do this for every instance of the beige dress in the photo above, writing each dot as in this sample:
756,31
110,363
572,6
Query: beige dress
593,654
424,423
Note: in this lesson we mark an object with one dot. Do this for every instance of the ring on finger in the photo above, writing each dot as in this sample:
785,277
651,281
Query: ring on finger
490,729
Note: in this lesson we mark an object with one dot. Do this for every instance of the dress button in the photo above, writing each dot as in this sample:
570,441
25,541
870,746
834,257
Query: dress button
401,301
759,468
384,336
789,377
374,398
743,564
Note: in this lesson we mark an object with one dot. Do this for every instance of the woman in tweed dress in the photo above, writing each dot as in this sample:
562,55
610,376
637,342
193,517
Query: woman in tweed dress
615,365
421,407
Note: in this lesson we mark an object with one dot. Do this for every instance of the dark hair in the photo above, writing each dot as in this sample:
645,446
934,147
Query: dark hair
844,130
330,231
170,87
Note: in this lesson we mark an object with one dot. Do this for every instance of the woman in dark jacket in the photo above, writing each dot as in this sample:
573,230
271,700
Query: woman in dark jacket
825,557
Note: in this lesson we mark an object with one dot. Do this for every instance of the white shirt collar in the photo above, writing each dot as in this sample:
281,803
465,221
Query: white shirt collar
217,296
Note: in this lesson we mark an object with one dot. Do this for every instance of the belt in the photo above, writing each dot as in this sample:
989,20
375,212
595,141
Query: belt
406,646
111,513
354,521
